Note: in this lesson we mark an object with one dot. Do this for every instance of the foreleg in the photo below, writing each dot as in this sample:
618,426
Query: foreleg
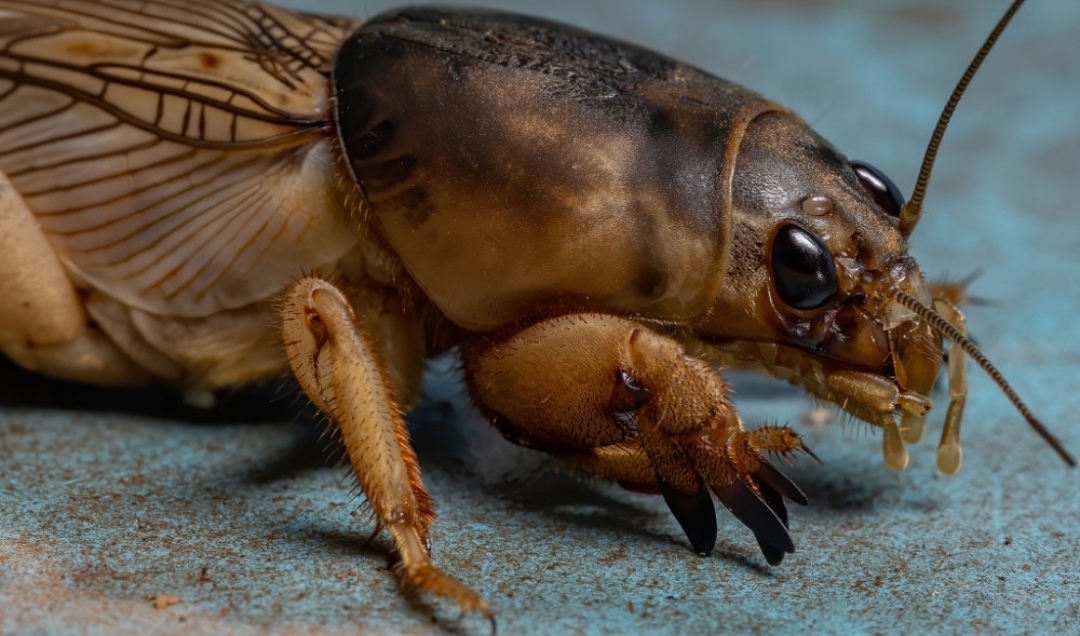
612,396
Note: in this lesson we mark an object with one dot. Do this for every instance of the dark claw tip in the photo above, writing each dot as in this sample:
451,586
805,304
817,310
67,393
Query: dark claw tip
778,481
755,514
696,515
775,501
772,554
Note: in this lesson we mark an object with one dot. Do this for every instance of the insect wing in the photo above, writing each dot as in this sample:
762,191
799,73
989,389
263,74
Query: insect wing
174,151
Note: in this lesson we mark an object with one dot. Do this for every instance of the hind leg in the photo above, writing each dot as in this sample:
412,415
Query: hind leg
43,327
342,368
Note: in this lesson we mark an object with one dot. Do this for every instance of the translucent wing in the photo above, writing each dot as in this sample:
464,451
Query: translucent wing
175,151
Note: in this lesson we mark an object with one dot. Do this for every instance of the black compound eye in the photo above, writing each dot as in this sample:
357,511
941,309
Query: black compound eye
881,188
803,270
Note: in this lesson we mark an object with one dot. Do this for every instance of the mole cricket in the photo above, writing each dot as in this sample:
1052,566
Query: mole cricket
207,193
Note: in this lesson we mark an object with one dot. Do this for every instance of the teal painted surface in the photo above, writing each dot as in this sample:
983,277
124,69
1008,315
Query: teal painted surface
101,507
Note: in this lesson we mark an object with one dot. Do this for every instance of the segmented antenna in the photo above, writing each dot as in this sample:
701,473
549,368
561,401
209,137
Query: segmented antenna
909,215
947,329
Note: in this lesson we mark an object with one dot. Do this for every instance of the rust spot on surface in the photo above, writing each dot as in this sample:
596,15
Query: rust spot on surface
162,601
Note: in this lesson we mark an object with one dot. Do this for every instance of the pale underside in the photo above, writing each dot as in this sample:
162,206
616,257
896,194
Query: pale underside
175,152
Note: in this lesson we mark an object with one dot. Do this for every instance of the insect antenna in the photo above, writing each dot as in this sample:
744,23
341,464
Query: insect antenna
947,329
909,214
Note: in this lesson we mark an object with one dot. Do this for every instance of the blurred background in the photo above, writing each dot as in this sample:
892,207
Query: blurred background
109,500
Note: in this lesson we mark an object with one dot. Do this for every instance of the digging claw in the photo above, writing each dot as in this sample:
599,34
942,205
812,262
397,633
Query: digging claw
759,516
773,555
695,513
769,476
774,498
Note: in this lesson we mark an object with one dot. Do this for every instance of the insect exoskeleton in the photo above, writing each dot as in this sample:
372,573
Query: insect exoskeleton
594,225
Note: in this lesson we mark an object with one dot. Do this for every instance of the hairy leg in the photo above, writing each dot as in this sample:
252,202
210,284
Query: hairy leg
614,397
341,368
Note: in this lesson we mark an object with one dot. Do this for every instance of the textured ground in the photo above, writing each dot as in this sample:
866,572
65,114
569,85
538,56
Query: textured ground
108,500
